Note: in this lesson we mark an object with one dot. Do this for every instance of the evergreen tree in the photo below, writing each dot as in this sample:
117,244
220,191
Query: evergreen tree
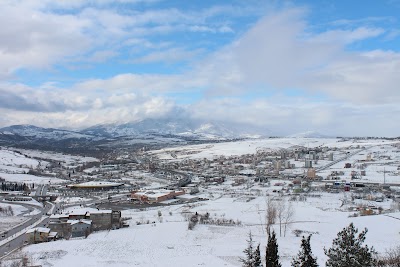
348,250
304,257
257,257
271,255
249,251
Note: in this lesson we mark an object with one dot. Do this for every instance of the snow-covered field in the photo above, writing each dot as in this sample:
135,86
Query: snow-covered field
15,164
29,179
252,146
11,158
170,243
68,159
17,209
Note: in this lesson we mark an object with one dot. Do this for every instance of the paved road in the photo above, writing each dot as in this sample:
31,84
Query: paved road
18,240
341,159
41,190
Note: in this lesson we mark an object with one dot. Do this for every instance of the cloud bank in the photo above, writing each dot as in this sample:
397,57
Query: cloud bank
278,72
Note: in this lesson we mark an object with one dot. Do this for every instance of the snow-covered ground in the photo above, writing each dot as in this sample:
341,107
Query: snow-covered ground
17,209
252,146
71,200
170,243
29,179
68,159
20,213
11,158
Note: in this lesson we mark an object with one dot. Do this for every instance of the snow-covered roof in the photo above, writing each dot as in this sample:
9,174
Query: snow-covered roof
95,184
72,222
78,212
100,211
58,216
52,234
39,229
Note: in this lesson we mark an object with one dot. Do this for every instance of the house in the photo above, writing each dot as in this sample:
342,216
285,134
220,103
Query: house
59,218
63,228
78,214
80,227
40,234
105,219
65,224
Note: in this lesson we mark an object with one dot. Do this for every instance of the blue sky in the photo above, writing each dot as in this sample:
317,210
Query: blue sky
289,66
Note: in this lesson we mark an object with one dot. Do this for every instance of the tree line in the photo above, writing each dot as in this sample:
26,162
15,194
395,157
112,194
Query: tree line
7,186
347,250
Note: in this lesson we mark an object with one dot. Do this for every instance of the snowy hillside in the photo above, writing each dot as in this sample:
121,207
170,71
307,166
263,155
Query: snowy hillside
168,242
175,126
308,134
179,126
31,131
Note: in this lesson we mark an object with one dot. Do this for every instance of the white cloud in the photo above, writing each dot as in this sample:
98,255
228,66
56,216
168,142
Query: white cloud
154,83
40,34
343,91
280,53
288,115
60,108
35,39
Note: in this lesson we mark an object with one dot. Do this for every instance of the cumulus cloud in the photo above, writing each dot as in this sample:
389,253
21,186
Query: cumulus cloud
247,81
280,53
33,39
40,34
288,115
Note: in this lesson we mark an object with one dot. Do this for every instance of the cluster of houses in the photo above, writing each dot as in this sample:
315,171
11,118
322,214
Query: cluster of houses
78,223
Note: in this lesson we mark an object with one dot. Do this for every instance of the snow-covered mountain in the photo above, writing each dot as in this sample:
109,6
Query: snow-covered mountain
152,126
31,131
177,127
180,127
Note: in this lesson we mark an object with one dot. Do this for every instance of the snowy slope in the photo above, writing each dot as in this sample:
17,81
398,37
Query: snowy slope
31,131
175,126
170,243
308,134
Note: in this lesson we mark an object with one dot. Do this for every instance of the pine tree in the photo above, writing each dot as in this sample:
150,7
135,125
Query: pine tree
348,250
271,255
304,257
249,251
257,257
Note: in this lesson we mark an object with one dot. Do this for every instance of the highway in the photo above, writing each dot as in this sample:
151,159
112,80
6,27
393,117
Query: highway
18,238
41,191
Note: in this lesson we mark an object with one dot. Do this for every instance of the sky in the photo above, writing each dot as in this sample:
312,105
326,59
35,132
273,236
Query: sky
290,66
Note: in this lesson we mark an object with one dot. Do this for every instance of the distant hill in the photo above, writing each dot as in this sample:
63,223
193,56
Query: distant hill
34,132
176,127
309,134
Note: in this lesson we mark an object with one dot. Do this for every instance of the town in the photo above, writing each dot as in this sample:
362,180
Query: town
67,197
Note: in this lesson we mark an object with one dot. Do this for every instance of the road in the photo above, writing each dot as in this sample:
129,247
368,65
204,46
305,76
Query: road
339,160
41,191
19,239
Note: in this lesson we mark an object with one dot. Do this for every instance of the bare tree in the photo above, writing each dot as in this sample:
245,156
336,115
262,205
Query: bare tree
391,259
281,214
289,216
270,215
